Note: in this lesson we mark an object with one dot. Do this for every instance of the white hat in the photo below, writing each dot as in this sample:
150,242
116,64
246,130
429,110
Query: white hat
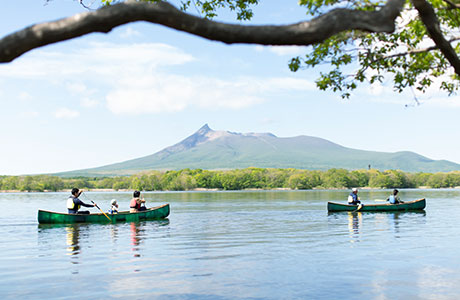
113,201
354,189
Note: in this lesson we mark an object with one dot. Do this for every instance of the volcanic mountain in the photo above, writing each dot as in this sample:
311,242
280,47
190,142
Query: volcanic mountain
212,150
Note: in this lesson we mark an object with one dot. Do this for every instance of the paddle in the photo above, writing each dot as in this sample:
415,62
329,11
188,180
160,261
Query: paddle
359,207
101,210
381,200
98,208
143,207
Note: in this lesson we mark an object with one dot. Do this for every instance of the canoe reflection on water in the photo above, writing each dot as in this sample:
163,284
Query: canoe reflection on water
376,221
77,238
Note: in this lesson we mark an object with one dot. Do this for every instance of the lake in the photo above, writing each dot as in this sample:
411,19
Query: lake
234,245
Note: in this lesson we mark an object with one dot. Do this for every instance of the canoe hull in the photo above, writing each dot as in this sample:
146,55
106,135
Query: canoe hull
419,204
154,213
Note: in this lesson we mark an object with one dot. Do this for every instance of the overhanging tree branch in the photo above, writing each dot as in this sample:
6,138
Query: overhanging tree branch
105,19
452,5
415,51
431,22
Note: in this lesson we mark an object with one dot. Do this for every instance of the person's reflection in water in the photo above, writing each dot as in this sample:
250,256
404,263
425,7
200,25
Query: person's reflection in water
354,222
73,245
114,232
400,220
73,235
135,238
395,218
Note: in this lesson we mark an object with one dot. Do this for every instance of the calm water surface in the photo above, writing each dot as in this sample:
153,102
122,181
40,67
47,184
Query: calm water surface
234,245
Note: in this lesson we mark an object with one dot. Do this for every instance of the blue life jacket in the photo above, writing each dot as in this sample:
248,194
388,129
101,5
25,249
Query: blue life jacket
113,210
355,199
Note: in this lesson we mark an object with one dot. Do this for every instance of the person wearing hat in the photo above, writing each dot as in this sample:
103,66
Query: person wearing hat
353,198
394,199
114,208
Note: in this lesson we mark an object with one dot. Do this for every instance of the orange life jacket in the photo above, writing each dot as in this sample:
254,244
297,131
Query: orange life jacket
134,203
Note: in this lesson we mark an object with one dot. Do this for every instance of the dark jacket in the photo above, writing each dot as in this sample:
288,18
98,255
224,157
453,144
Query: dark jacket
77,203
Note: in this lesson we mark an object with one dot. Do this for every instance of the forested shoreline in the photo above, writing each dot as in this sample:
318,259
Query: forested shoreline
239,179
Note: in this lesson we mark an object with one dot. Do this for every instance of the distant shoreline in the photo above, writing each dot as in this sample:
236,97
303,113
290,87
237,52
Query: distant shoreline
235,180
214,190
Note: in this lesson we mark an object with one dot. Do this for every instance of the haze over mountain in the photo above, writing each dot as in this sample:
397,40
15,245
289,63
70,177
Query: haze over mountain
209,149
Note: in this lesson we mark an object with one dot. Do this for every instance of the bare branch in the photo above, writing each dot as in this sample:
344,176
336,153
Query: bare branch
431,22
105,19
84,5
416,51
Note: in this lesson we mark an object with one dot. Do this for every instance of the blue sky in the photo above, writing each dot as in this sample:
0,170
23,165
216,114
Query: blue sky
106,98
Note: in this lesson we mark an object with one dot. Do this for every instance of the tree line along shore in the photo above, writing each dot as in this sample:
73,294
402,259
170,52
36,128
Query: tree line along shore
239,179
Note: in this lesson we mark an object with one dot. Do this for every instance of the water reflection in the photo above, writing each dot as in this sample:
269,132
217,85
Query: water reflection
136,237
355,220
114,232
398,256
73,245
72,240
398,220
394,219
47,232
392,222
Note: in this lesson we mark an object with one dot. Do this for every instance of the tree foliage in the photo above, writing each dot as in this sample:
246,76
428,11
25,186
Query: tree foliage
403,55
413,44
239,179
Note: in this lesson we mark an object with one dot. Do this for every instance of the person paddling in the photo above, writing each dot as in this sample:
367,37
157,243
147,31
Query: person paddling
394,199
135,204
353,198
74,204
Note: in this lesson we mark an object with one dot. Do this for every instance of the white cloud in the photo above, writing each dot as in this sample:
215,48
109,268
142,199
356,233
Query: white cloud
130,58
173,93
102,60
65,113
129,32
89,103
77,87
139,78
138,99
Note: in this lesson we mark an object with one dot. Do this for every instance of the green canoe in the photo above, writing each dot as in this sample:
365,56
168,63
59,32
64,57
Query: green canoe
154,213
406,206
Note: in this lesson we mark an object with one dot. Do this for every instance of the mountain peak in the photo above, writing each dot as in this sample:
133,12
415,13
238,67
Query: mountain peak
204,130
198,137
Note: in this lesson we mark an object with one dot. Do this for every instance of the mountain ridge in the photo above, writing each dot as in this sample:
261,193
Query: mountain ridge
210,149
